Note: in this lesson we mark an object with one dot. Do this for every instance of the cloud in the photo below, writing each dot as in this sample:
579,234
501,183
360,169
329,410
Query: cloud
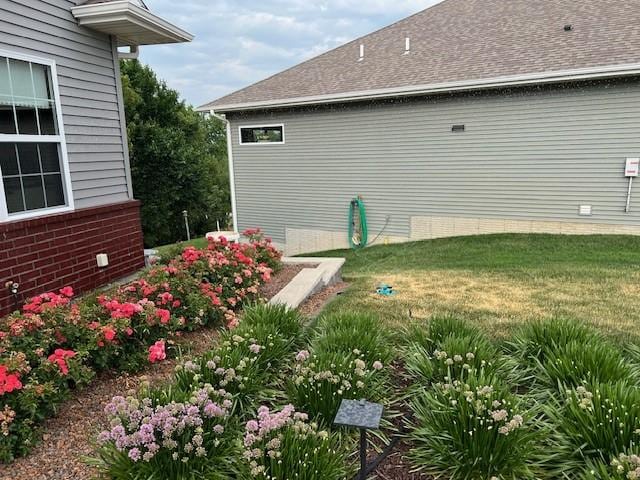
241,42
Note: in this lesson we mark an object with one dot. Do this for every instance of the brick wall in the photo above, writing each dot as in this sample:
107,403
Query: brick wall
50,252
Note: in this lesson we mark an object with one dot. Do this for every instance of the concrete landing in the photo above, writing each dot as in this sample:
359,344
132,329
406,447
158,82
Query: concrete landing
309,280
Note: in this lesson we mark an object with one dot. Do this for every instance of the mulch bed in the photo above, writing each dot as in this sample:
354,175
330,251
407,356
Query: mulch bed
66,442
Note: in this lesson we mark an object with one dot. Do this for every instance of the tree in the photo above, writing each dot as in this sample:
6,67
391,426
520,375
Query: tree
178,159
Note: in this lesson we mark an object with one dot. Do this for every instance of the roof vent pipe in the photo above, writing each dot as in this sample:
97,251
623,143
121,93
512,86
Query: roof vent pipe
407,45
361,52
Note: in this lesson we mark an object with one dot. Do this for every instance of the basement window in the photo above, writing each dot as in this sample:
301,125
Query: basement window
33,164
262,134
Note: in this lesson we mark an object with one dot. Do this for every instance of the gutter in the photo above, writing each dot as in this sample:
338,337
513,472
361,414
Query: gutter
612,71
232,176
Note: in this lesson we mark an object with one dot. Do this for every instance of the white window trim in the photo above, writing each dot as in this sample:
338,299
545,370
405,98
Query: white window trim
262,125
60,139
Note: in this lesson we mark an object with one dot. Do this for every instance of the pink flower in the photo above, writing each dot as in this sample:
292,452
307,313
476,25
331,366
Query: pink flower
377,365
109,333
67,291
302,356
255,348
163,315
157,352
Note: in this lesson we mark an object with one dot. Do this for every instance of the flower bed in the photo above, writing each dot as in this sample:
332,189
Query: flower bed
54,345
275,429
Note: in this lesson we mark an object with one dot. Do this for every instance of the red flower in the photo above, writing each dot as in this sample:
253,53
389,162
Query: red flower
59,356
8,381
157,352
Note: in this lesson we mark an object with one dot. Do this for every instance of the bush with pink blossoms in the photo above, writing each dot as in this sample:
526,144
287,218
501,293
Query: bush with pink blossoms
115,329
284,444
172,441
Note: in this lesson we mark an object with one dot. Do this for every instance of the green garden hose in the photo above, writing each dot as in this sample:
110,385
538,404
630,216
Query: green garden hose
358,235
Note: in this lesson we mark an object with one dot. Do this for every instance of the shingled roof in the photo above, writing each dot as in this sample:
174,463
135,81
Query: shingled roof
462,42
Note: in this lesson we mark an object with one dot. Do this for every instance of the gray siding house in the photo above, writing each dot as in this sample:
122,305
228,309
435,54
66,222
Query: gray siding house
470,117
66,194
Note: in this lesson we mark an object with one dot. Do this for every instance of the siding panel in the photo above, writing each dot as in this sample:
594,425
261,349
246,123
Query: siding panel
88,92
525,155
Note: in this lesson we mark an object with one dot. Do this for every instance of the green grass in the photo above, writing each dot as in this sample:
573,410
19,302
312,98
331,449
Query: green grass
168,249
500,281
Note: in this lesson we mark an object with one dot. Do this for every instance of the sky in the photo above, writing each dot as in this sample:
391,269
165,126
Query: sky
238,43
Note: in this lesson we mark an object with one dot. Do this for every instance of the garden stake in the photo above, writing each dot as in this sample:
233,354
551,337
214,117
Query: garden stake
364,416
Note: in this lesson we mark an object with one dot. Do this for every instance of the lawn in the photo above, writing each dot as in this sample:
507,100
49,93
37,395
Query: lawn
500,281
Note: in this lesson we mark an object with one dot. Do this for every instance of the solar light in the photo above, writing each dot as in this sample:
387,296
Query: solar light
364,416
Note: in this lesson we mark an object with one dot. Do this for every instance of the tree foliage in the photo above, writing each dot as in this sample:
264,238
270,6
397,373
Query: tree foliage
178,159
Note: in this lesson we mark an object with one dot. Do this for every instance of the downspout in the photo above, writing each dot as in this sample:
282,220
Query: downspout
232,176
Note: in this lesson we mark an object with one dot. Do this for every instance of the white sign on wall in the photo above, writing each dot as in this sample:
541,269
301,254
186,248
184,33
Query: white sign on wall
633,167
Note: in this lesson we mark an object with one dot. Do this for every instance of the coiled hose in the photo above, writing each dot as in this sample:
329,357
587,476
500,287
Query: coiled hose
358,234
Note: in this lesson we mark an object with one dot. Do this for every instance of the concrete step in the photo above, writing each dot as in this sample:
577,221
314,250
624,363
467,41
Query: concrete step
303,285
331,271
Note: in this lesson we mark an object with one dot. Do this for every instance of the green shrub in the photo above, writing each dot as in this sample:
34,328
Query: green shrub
451,358
598,422
283,445
320,381
474,429
348,331
580,363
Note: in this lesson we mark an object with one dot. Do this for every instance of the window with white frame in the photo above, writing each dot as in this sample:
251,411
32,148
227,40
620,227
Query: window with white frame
31,142
262,134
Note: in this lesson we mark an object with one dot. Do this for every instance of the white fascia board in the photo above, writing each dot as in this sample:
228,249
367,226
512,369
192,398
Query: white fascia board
595,73
126,13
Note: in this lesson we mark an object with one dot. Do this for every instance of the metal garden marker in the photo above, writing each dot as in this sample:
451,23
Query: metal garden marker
364,416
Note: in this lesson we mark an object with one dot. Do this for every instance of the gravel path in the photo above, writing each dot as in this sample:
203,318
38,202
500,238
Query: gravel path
67,437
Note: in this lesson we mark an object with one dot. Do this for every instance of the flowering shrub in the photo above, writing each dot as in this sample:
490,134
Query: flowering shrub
54,345
178,440
595,422
473,428
280,445
320,381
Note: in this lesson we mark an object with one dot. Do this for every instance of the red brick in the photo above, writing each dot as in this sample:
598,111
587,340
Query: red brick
47,253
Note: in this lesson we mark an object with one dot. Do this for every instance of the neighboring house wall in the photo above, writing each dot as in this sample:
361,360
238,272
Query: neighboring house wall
526,162
50,251
88,81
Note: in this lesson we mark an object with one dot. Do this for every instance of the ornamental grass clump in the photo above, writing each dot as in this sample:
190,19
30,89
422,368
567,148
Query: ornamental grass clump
453,358
284,445
430,335
582,363
173,441
344,332
320,380
596,422
474,428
